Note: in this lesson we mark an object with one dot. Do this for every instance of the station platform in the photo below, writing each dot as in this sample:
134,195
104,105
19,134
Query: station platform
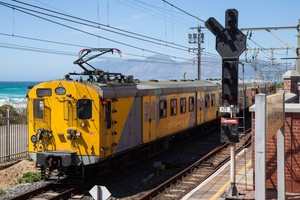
216,187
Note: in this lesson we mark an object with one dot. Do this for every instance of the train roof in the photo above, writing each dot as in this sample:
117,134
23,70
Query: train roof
152,88
119,90
174,84
250,83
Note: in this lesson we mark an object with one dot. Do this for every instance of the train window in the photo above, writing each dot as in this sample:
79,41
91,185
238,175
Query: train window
191,104
152,110
163,109
240,93
182,105
38,108
84,109
207,100
108,114
213,99
146,116
173,107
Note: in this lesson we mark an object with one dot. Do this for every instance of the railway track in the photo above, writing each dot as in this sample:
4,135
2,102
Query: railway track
135,188
180,184
139,171
50,192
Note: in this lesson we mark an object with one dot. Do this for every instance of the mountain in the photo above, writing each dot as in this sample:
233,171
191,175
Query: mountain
162,67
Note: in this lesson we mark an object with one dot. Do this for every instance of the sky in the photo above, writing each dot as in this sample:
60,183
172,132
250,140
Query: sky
23,35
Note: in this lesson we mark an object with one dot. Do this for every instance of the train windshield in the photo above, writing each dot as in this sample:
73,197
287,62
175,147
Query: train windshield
84,109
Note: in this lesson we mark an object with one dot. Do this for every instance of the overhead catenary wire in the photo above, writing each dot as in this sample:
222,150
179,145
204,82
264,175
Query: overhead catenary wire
51,51
184,11
43,40
95,26
91,34
260,47
155,14
35,49
209,54
98,25
43,50
65,53
157,7
40,50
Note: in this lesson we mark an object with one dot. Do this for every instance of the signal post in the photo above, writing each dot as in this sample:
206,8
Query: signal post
230,44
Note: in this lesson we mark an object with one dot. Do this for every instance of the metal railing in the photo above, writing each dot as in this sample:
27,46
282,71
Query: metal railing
13,136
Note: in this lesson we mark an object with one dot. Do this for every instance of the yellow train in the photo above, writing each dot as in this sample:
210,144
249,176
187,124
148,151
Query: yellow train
83,122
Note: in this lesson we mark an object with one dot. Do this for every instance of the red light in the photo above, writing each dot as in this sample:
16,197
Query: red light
227,96
104,102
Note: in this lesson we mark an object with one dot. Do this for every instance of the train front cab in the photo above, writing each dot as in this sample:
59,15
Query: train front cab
63,122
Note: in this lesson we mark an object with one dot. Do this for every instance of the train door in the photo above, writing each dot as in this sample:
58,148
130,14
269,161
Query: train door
149,118
203,106
199,108
107,139
39,123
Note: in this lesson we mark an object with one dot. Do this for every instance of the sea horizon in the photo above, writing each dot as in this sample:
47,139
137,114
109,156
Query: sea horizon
14,93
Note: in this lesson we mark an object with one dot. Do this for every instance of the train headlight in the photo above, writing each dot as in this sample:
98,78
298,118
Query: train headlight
34,139
82,124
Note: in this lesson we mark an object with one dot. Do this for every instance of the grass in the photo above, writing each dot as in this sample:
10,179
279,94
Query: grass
30,177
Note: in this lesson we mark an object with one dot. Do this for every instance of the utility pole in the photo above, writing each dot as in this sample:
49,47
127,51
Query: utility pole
298,48
197,39
254,62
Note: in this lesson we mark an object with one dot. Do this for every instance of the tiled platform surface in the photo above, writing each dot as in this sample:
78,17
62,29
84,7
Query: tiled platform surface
216,187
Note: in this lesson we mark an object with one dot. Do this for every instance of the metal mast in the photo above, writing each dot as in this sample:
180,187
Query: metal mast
197,39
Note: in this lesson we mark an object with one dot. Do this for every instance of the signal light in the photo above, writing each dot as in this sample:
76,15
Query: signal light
230,81
227,64
104,102
227,96
227,81
231,19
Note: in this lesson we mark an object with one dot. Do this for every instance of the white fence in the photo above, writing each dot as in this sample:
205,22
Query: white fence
13,136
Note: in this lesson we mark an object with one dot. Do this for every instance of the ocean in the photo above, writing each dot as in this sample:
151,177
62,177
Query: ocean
14,93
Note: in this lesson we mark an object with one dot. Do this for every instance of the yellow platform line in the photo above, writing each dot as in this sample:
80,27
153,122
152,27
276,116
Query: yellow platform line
226,185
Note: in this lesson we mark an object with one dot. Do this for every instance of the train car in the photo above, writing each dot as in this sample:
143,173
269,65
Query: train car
85,122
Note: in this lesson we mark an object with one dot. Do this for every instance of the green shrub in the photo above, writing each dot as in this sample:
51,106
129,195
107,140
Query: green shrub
2,192
30,177
279,85
16,117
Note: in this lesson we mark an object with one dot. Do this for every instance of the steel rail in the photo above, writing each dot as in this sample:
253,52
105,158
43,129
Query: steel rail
154,192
